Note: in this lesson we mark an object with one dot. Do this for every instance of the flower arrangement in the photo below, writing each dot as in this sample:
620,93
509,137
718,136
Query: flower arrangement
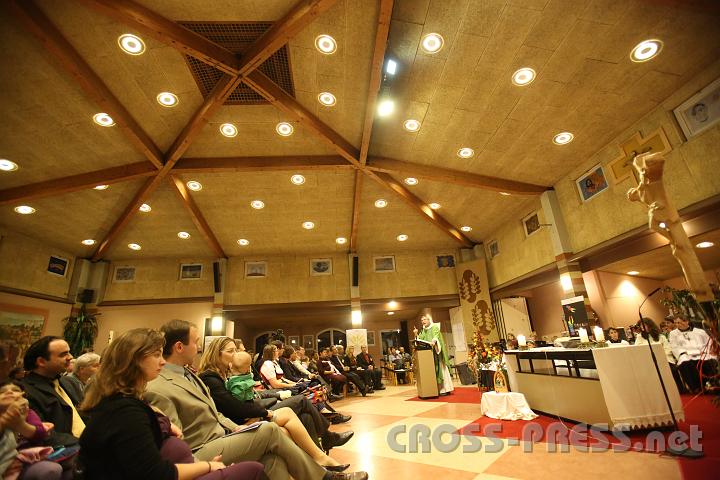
484,356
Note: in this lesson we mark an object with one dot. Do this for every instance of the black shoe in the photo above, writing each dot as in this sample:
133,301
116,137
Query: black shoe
333,439
337,468
335,398
364,392
346,476
340,418
381,387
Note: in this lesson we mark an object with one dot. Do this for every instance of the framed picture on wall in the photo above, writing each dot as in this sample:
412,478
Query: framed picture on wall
308,341
384,264
321,266
124,274
255,269
591,183
19,328
493,249
57,266
191,271
701,111
293,341
445,261
371,338
531,224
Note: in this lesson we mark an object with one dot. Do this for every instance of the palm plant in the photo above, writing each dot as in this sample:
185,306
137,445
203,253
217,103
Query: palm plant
80,331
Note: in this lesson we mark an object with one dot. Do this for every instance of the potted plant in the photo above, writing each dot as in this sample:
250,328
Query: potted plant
80,331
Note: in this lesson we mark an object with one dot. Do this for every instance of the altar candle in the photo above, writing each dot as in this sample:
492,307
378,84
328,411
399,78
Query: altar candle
521,341
599,334
583,335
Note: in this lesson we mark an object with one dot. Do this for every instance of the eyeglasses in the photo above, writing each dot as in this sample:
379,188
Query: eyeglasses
231,350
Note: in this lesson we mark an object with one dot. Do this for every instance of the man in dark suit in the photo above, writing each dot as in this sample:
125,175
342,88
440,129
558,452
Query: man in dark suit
365,360
46,360
353,377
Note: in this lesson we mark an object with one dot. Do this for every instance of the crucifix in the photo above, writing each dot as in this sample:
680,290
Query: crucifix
622,166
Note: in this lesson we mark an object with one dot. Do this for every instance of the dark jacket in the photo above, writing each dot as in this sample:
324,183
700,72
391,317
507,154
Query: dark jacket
236,410
50,407
290,371
362,362
122,440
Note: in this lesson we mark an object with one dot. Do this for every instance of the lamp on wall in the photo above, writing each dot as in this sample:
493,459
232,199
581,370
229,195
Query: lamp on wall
566,282
216,324
356,317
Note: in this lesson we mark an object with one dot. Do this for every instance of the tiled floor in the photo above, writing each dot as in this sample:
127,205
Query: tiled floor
384,416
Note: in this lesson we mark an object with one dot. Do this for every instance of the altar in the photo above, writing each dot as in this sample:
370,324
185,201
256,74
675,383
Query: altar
615,386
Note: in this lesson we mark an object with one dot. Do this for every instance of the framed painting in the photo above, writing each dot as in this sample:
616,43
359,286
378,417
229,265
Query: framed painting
191,271
321,266
701,111
371,338
124,274
20,327
293,341
57,266
493,249
531,224
445,261
384,264
255,269
591,183
308,341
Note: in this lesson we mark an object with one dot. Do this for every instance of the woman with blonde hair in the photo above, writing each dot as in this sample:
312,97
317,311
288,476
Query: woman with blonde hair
215,365
124,437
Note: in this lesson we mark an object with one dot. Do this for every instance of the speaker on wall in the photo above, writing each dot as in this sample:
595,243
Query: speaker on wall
86,296
355,271
216,276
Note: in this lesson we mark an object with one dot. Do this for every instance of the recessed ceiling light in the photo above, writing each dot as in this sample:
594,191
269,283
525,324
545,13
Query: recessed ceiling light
705,245
386,107
391,313
183,235
402,237
432,43
325,44
465,152
167,99
465,228
633,272
381,203
308,225
506,194
297,179
563,138
228,130
435,206
7,165
392,304
24,210
89,241
257,204
194,185
103,119
131,44
101,187
341,240
523,77
327,99
411,125
411,181
284,129
662,225
243,242
145,208
134,246
646,50
391,67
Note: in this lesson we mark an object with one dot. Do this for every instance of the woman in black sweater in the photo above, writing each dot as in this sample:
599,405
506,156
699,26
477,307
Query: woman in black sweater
125,438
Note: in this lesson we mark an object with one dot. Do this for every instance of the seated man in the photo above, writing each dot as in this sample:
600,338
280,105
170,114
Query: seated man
47,392
336,358
184,398
330,372
365,361
691,346
396,359
406,357
86,366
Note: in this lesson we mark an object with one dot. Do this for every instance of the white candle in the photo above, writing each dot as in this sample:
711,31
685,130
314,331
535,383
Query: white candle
521,341
599,334
583,335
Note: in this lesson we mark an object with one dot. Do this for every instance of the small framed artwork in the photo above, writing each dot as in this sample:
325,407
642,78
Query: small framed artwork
493,248
309,341
701,111
321,266
371,338
191,271
591,183
57,266
293,341
384,264
255,269
531,224
124,274
445,261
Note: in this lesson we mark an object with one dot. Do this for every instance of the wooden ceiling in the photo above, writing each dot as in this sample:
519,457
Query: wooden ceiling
64,65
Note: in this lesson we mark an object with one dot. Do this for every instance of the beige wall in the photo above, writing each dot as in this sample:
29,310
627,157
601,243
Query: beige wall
545,309
616,298
160,278
24,265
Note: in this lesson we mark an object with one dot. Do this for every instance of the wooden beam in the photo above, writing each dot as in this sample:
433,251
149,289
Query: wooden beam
457,177
35,22
278,97
376,70
356,210
429,214
77,182
260,164
301,15
197,216
148,188
160,28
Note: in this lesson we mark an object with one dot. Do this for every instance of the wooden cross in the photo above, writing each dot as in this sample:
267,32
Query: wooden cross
621,168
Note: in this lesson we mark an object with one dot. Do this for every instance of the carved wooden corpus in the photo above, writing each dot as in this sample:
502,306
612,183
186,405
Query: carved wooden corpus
651,192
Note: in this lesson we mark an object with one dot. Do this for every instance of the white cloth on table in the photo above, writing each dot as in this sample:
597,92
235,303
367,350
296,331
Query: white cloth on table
506,406
639,340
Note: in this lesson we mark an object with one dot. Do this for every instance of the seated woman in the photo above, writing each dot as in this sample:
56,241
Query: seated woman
124,437
614,337
350,361
215,365
648,328
270,370
287,364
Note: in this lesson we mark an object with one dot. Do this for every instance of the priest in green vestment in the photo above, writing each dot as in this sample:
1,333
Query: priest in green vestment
431,333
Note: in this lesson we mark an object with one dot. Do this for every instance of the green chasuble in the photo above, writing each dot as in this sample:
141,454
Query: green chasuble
429,334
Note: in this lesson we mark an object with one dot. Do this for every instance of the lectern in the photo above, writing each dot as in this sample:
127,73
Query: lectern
424,367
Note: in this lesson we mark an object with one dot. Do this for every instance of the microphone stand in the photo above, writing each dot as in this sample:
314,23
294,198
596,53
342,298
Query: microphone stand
686,452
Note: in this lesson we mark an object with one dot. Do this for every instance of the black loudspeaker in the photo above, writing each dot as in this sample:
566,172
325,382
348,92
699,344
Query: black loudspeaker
404,335
86,296
216,276
355,271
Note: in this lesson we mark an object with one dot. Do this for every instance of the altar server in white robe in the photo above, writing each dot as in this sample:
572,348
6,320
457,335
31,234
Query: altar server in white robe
431,333
692,346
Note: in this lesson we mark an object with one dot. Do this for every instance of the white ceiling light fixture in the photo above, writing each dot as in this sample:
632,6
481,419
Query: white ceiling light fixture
194,185
411,125
563,138
386,107
381,203
705,245
257,204
402,237
662,225
103,119
183,235
392,304
284,129
466,152
24,210
325,44
412,181
308,225
633,272
327,99
167,99
646,50
391,67
7,166
134,246
297,179
391,313
435,206
505,194
145,208
341,240
523,76
228,130
243,242
88,242
432,43
101,187
131,44
466,228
